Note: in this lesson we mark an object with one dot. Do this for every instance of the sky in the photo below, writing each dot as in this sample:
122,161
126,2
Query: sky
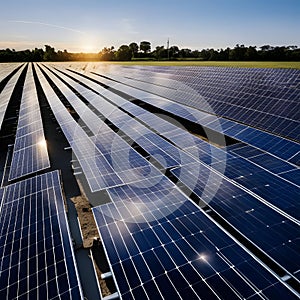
90,25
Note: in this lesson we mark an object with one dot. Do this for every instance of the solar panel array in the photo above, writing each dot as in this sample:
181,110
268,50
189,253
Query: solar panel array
283,148
7,69
100,169
264,98
270,188
186,219
36,255
6,93
248,205
30,152
161,246
157,147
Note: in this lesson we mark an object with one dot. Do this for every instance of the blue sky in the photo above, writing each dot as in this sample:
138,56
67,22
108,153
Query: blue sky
90,25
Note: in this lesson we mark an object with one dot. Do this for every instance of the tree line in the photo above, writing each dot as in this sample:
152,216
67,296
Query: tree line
143,51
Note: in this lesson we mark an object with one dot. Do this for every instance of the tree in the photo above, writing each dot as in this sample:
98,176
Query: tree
251,53
238,53
49,54
185,53
123,53
63,55
134,47
173,52
145,46
107,53
160,52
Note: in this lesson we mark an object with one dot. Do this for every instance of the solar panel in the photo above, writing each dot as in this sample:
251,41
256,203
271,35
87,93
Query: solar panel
36,255
30,152
6,69
254,96
157,147
6,93
261,224
212,155
124,160
249,186
101,170
280,147
268,187
161,246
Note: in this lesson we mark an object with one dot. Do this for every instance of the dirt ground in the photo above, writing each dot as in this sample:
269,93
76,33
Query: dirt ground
90,235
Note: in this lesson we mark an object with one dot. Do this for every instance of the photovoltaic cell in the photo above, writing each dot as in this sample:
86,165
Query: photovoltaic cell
253,96
268,187
157,147
278,146
101,169
258,222
30,152
6,93
161,246
147,229
37,259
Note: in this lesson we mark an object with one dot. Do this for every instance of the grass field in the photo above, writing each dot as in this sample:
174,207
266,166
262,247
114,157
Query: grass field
238,64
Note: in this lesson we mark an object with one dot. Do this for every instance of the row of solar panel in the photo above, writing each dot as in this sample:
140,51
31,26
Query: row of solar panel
161,246
161,150
36,255
101,169
6,69
233,130
227,100
268,186
255,85
6,93
258,81
128,274
30,152
272,164
282,148
211,154
241,208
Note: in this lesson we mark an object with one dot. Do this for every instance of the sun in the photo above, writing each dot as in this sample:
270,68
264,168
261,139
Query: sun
89,48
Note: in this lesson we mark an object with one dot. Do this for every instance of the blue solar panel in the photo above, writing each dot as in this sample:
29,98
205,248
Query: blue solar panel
238,169
282,148
161,246
101,169
147,226
6,93
235,168
107,141
30,152
239,94
36,255
246,213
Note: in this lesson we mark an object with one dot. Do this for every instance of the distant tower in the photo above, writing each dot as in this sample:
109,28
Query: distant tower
168,44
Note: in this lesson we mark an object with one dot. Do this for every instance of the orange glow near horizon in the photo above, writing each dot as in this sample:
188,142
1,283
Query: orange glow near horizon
89,44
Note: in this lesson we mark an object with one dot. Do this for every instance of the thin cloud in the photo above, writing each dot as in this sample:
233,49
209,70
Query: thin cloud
47,24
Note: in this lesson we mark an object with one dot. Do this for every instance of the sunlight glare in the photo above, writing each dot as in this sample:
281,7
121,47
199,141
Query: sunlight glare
42,143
